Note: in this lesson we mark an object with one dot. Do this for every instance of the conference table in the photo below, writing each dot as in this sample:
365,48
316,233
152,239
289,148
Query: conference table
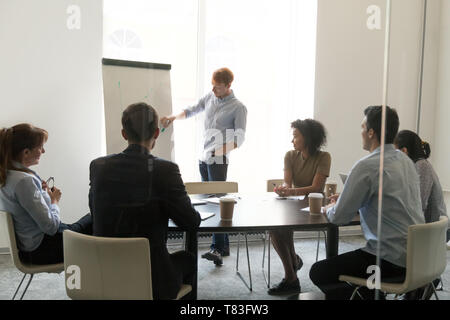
259,213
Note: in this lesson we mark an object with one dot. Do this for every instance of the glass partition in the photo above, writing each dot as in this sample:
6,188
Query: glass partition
418,66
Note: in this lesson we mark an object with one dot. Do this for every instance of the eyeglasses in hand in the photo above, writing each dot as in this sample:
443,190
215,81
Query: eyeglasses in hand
50,183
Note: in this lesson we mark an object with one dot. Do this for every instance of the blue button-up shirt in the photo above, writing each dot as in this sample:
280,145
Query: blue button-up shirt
30,206
225,121
401,205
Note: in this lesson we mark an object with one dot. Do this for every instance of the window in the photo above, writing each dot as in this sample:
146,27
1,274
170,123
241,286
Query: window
270,47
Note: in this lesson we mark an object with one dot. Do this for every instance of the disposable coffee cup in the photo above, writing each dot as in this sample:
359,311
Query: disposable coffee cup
226,208
315,202
330,188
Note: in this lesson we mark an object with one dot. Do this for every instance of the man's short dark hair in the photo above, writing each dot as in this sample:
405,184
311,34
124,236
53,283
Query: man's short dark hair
373,116
140,122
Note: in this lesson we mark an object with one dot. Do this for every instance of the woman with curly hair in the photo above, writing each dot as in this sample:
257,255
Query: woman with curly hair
306,169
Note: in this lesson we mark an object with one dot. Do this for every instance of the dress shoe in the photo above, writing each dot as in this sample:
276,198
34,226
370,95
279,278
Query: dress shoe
284,288
213,255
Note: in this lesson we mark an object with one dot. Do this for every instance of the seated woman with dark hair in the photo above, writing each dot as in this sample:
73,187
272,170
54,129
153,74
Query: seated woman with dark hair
306,169
33,206
433,205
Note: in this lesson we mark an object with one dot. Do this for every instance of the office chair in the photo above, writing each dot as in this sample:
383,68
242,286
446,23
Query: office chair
109,268
26,268
426,259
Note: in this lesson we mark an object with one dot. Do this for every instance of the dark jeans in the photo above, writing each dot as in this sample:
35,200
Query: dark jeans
216,172
184,263
51,248
325,274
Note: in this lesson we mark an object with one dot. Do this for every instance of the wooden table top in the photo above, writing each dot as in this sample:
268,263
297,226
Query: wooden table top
256,212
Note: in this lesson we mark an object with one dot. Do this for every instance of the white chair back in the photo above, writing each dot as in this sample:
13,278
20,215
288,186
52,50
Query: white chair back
13,249
211,187
8,222
426,253
109,268
271,182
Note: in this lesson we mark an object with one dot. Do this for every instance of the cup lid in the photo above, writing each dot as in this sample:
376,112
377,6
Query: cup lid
224,199
315,195
331,182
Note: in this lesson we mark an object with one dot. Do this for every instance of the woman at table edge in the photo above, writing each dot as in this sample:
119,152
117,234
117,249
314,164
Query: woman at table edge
306,169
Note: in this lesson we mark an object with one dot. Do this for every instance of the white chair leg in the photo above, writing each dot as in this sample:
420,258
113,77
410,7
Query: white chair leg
355,292
266,278
237,253
26,288
429,287
20,284
318,242
359,294
264,256
440,286
248,262
268,263
264,250
434,290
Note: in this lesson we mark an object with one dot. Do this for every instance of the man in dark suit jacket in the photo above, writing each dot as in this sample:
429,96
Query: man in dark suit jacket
133,194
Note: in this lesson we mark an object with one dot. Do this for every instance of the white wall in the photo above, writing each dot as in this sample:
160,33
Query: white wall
430,73
51,77
349,71
441,148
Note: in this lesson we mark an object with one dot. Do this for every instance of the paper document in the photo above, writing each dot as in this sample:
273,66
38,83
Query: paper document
291,198
213,200
206,215
307,210
216,200
197,202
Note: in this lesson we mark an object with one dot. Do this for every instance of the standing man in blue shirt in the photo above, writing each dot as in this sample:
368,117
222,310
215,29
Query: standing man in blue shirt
401,208
224,130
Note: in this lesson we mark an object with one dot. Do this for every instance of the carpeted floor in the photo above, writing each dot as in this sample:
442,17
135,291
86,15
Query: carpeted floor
214,283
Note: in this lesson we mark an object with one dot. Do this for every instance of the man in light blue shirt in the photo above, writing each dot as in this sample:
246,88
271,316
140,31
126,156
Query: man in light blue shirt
401,208
224,130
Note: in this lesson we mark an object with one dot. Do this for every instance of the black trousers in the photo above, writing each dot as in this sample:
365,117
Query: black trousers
216,172
184,263
325,274
50,250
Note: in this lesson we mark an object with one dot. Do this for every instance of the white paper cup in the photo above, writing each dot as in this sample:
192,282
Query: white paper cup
226,209
315,203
